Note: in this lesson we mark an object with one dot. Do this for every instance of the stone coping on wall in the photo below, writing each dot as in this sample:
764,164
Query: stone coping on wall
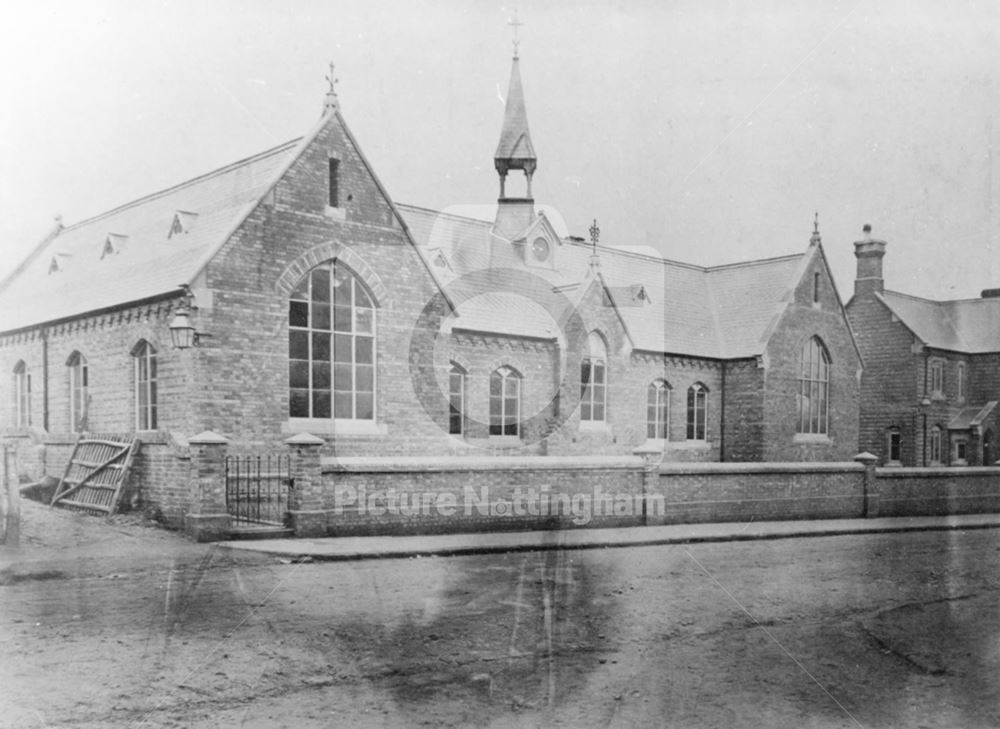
936,471
410,464
714,467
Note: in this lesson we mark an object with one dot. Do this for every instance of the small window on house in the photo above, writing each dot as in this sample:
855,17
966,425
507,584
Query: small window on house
895,446
697,410
934,445
144,359
505,402
937,377
961,451
334,183
456,400
76,367
658,410
961,380
593,380
22,396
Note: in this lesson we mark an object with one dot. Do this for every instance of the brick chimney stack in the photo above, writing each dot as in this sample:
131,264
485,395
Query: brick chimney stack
869,253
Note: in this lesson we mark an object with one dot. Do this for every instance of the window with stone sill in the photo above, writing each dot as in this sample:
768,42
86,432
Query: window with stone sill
936,377
658,410
331,346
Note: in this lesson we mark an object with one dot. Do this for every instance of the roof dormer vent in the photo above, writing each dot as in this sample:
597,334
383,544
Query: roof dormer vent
58,262
182,222
113,244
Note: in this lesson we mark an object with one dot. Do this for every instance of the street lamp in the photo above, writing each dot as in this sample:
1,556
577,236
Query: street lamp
183,334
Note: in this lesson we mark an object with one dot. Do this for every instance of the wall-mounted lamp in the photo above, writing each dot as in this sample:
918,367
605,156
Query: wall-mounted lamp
182,332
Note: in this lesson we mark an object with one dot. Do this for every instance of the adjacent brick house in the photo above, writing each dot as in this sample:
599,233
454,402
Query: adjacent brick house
932,371
319,305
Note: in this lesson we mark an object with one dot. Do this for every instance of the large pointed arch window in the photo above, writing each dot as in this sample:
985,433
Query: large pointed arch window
593,380
658,410
76,367
505,402
145,380
331,346
22,395
814,388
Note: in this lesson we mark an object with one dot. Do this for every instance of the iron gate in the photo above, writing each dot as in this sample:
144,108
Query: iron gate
257,489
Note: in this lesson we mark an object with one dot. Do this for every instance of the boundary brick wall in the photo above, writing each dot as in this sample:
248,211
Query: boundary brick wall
703,492
937,491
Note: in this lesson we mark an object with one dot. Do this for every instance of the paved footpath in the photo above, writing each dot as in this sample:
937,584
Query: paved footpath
353,548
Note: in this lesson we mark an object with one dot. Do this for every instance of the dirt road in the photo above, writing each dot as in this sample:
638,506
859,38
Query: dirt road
124,625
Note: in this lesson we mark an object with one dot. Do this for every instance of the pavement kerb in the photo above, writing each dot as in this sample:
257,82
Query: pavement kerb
333,549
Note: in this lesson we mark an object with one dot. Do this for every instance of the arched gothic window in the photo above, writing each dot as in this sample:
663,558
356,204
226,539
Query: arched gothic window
697,411
593,380
331,346
76,367
22,395
505,402
814,388
658,410
144,361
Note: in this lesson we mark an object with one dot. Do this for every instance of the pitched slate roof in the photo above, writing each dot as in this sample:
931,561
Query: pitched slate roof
965,325
721,312
140,250
971,416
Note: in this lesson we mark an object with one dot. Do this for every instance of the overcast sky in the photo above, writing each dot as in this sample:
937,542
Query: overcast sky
711,131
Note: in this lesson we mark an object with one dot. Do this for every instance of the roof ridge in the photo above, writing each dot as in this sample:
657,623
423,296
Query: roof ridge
755,262
454,216
199,178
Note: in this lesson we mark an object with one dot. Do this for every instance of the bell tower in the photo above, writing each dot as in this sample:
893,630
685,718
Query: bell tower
515,152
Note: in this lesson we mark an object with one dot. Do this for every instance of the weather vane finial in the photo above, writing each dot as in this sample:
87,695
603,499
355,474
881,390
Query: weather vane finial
815,236
332,80
516,24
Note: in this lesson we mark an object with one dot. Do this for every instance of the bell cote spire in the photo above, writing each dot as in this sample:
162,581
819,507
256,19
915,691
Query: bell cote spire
515,152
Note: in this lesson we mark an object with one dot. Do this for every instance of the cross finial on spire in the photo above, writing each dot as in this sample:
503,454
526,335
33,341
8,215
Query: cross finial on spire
815,236
515,23
595,235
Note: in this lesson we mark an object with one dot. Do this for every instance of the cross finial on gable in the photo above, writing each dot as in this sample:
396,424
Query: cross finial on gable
815,236
515,23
